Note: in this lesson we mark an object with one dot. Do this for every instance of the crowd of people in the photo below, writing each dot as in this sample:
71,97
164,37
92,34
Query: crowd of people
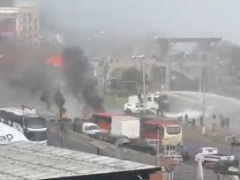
191,122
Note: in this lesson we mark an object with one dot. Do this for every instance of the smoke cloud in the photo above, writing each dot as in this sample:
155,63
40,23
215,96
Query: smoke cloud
77,73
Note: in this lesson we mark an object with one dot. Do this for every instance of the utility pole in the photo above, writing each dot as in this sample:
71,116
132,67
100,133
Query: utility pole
168,75
158,148
236,143
105,77
144,85
60,103
168,79
141,58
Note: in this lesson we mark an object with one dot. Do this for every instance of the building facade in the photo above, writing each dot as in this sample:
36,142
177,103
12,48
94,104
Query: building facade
19,24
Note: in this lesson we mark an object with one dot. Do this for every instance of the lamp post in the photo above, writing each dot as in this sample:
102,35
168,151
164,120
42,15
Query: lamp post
105,77
60,101
141,58
158,148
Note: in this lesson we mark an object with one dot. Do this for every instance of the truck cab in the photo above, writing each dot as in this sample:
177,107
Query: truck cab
136,108
154,101
90,128
83,127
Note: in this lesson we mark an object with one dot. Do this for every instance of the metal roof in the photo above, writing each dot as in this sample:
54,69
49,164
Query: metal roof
25,160
18,112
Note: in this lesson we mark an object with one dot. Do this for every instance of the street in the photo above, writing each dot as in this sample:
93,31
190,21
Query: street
187,171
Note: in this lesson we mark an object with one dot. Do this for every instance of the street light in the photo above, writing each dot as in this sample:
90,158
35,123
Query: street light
141,58
158,144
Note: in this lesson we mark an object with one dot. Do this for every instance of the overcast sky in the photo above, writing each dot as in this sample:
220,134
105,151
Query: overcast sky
174,17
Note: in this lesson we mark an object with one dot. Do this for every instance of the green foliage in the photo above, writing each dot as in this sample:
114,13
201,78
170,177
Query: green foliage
228,51
132,74
132,79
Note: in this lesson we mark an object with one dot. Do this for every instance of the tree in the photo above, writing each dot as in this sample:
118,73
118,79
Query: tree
230,52
132,77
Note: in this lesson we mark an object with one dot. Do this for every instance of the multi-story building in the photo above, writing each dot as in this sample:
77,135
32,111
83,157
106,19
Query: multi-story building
19,24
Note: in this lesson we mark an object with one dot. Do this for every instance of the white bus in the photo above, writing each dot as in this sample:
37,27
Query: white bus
27,122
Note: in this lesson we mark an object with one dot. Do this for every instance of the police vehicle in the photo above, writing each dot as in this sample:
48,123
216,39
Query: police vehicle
27,122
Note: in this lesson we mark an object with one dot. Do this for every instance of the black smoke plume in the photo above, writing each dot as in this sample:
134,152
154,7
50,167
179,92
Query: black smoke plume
78,75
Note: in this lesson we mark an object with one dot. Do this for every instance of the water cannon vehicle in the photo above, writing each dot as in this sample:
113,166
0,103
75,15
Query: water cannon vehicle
154,102
136,108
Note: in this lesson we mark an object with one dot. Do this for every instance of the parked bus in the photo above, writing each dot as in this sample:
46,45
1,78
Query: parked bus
27,122
103,120
167,131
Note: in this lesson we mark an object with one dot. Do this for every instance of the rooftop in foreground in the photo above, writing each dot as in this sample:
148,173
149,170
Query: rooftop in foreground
25,160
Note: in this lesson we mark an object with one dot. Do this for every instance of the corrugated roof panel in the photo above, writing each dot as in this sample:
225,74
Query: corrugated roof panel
33,161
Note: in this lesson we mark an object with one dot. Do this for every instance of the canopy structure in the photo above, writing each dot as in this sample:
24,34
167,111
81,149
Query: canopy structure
25,160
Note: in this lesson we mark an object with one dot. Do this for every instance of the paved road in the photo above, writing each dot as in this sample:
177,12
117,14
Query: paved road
73,144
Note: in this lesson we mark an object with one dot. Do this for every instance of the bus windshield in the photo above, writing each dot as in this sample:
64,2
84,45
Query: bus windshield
36,135
35,122
173,129
104,122
149,128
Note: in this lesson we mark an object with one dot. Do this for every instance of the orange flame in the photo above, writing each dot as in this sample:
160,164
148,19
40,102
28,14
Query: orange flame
56,60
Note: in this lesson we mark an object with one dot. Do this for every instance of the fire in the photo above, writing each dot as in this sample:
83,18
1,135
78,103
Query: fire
56,60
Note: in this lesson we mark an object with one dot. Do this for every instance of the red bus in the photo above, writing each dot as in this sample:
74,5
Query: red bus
170,133
103,120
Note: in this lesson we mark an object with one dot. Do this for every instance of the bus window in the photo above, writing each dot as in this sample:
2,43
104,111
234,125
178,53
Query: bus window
173,129
35,122
104,122
156,99
149,99
153,130
36,135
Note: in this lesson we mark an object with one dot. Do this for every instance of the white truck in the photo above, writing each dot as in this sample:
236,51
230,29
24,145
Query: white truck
153,100
125,125
211,155
135,108
87,128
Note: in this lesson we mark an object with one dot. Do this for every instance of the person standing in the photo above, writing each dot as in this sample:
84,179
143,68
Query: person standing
214,128
186,119
193,123
227,122
201,121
